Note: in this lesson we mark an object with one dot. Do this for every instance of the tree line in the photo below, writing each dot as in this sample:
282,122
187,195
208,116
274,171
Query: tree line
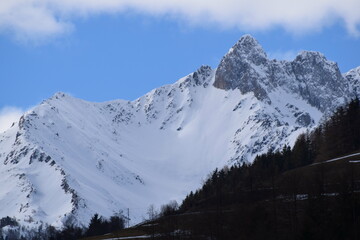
97,226
291,193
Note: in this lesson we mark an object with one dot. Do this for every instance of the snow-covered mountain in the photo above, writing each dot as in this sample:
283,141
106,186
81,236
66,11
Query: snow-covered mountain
67,158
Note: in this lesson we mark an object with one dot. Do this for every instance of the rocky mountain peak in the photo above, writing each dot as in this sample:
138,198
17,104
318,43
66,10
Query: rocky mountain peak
353,78
310,75
318,80
307,55
59,95
248,49
242,67
315,60
202,74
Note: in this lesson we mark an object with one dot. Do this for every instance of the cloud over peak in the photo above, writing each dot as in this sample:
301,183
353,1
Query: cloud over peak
44,18
9,115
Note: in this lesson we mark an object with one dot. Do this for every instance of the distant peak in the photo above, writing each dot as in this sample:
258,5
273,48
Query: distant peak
248,45
200,77
58,95
310,55
242,66
354,71
204,69
248,40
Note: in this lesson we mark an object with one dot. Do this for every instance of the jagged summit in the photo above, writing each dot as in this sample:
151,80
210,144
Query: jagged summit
353,77
59,95
201,76
248,50
246,67
303,55
316,59
248,47
242,66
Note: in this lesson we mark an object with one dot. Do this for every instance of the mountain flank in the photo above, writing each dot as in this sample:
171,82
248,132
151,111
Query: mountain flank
67,159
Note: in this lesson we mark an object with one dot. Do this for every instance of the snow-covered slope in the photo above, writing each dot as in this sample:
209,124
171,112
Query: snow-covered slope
67,158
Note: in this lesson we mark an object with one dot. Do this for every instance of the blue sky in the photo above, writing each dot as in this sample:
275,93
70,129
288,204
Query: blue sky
111,49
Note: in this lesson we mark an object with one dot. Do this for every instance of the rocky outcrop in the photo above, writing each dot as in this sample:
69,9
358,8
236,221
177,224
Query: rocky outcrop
243,68
310,75
353,78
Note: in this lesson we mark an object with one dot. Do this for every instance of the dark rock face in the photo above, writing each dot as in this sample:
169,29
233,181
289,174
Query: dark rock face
199,78
319,80
304,120
310,75
201,75
236,69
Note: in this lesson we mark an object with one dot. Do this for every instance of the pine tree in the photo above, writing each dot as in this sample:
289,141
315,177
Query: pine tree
95,226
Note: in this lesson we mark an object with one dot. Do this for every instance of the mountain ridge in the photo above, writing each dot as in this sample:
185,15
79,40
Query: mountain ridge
247,68
105,157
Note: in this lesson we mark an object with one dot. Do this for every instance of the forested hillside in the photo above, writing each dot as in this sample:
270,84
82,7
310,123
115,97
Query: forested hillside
338,136
299,193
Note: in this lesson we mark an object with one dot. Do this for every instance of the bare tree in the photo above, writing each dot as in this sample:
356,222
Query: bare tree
152,214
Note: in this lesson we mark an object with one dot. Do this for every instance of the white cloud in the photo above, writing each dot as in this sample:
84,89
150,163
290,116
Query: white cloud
9,115
43,18
283,55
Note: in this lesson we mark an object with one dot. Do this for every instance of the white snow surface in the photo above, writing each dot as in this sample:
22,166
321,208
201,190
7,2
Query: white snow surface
67,159
119,154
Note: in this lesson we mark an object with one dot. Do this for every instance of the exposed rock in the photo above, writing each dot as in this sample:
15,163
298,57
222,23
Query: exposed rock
310,75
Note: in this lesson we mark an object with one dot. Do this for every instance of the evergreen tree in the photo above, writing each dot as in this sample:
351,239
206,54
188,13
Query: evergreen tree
95,226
